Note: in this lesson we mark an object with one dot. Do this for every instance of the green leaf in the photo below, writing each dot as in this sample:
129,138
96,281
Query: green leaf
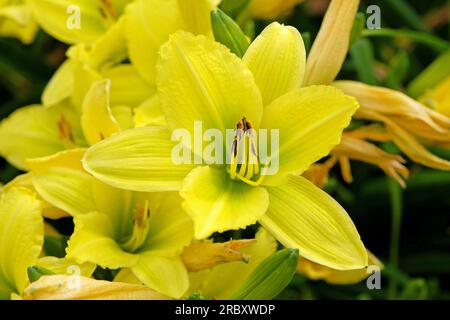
270,277
363,60
227,32
358,27
399,68
55,246
431,76
234,7
407,13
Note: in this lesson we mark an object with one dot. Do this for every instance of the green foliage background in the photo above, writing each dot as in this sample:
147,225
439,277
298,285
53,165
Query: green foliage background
409,230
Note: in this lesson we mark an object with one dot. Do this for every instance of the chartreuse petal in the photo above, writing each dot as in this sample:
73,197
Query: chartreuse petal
277,59
137,159
223,280
196,15
60,180
127,86
165,275
149,113
94,241
310,121
60,86
54,18
171,228
21,238
124,116
65,266
17,21
150,22
97,120
200,80
304,217
217,204
34,131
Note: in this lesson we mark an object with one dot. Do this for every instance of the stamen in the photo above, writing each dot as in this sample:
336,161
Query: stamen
141,225
244,155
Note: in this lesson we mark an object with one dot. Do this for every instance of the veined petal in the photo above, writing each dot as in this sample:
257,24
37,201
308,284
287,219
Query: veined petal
277,59
302,216
60,86
127,86
137,159
316,271
150,22
97,120
331,45
165,275
60,180
34,131
57,20
171,229
21,238
200,80
217,204
310,121
62,287
93,241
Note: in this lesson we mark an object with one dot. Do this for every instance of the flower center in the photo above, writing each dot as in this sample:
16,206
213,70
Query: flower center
141,226
244,164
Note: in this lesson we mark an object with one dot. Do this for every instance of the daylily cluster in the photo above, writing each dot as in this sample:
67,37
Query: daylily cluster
99,149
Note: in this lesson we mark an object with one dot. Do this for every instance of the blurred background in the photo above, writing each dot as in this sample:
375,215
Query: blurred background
408,229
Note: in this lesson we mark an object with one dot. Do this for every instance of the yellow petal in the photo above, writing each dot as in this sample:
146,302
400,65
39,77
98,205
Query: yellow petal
127,86
53,17
165,275
223,280
204,255
137,159
407,143
271,9
439,97
331,45
150,22
66,266
200,80
222,205
60,85
61,287
93,241
21,238
361,150
17,21
150,113
277,60
124,117
310,122
196,15
302,216
316,271
34,131
61,182
97,120
400,108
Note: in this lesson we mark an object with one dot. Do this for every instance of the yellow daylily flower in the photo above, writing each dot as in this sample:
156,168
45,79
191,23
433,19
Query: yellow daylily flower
21,240
221,281
145,232
316,271
438,98
271,9
16,20
407,121
200,80
63,287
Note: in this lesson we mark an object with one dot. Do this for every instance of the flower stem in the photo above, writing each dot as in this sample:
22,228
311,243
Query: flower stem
438,44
